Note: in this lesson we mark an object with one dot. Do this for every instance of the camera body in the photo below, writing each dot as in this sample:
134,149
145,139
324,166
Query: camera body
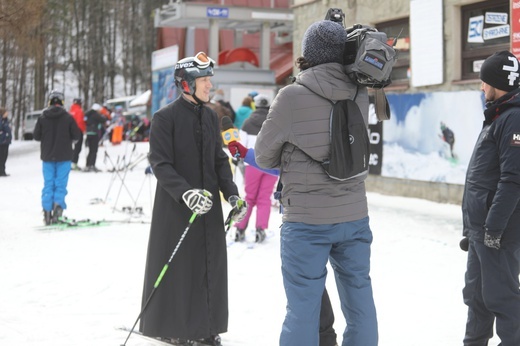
367,56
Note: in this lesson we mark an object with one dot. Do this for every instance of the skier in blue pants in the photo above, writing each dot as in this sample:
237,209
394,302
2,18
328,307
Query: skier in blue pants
57,131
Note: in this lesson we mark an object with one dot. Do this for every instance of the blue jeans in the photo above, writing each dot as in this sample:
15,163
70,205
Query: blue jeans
55,180
305,250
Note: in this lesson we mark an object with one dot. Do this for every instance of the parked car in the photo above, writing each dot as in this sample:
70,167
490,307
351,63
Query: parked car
29,122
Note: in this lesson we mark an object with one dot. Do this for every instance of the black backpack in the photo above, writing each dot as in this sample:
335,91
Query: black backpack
349,142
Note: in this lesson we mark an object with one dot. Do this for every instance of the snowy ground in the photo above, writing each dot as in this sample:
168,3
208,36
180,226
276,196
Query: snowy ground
75,287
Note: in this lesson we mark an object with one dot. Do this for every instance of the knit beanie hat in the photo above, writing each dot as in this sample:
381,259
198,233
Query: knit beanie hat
324,42
501,71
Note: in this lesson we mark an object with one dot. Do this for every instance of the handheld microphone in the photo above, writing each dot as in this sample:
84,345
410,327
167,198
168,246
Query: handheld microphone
229,132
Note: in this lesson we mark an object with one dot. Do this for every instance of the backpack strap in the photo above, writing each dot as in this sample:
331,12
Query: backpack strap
331,110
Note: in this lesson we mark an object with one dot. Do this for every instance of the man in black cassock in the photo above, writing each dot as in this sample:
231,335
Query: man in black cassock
186,155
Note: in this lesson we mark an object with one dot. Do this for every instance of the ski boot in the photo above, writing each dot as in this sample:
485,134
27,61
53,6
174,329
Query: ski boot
57,213
260,235
47,217
240,235
213,340
91,169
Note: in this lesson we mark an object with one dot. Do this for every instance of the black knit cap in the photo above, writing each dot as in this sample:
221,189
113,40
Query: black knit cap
501,71
324,42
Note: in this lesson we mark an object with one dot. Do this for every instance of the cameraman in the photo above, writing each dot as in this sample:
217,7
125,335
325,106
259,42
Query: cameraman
324,219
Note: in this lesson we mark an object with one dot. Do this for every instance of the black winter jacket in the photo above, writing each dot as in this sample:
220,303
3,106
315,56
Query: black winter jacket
6,135
253,124
94,122
492,190
57,130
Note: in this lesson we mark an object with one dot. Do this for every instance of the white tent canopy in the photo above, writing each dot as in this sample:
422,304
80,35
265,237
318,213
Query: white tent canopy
141,100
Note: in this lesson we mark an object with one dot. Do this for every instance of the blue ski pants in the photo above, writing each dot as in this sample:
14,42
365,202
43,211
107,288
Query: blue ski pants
55,180
305,250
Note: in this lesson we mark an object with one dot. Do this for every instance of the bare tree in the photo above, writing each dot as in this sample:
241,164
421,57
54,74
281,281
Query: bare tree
87,48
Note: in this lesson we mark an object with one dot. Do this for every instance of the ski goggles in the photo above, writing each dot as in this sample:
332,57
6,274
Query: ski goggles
203,60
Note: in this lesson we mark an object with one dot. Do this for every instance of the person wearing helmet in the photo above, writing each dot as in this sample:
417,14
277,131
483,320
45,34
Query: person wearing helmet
192,169
57,131
79,116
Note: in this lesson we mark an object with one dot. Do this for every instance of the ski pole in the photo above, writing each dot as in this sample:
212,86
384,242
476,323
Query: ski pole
161,275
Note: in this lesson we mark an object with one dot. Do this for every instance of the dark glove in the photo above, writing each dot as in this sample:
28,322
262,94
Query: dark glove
239,208
237,150
199,201
464,244
492,241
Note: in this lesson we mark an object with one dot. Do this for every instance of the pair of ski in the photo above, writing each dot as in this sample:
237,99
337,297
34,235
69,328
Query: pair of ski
65,223
155,341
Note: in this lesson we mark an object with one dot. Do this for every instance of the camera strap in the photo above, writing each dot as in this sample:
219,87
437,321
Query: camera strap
381,105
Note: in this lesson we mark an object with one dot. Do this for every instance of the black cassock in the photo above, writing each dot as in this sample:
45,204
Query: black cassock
191,301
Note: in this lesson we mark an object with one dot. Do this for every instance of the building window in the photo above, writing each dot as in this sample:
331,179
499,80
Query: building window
485,30
399,29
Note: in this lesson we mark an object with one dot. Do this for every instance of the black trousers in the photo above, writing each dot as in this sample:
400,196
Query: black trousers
327,333
92,142
4,152
77,150
492,294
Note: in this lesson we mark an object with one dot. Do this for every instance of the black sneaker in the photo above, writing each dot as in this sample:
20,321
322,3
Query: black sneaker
176,341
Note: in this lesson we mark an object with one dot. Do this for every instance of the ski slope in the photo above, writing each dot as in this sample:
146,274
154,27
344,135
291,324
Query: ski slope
75,287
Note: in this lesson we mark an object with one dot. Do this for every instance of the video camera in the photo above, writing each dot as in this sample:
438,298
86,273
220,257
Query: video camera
368,57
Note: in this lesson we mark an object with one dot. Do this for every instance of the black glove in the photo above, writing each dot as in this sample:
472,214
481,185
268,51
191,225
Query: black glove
464,244
492,241
239,208
199,201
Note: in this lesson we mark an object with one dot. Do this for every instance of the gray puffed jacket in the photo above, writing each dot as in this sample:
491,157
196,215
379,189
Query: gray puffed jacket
299,119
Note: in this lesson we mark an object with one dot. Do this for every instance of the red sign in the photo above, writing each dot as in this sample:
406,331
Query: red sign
515,28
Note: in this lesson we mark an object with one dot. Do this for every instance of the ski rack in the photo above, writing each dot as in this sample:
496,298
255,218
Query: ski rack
120,169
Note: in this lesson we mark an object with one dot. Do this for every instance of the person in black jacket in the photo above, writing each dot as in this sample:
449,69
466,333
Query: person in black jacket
6,137
57,131
190,165
491,210
95,122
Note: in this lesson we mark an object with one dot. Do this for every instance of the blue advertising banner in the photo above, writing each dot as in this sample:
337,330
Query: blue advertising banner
431,136
163,88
